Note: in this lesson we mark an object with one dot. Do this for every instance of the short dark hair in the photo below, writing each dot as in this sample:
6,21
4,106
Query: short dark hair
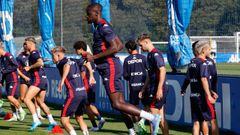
142,37
194,44
131,44
80,45
94,5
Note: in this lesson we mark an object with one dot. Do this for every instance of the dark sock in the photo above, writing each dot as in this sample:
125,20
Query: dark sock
127,120
94,124
99,117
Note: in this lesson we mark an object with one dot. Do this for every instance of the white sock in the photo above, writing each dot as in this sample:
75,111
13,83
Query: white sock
38,111
72,132
85,132
35,118
14,114
50,118
20,109
146,115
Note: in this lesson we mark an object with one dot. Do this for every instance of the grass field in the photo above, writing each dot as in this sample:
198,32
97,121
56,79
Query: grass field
113,126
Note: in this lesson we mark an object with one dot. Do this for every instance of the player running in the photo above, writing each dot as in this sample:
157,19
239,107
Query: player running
81,48
10,75
22,60
106,45
76,92
38,85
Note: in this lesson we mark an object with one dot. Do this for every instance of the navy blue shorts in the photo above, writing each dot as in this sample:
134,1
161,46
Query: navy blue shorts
154,103
111,73
202,109
12,89
133,96
22,81
91,96
39,81
74,105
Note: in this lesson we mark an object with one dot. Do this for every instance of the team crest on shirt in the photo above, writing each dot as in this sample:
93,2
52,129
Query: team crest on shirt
155,54
105,25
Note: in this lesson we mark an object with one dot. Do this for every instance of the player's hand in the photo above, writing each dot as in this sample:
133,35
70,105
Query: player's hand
60,85
214,95
159,94
27,79
140,94
27,68
89,57
182,93
211,99
92,80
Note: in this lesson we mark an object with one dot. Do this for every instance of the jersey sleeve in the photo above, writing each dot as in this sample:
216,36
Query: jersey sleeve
108,32
13,67
204,70
159,60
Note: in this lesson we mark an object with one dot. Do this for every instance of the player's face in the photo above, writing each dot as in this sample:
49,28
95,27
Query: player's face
91,17
79,51
143,45
55,58
25,47
207,51
29,45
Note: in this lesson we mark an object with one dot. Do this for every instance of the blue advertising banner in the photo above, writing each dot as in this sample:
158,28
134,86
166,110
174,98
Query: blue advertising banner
179,47
6,25
46,22
177,107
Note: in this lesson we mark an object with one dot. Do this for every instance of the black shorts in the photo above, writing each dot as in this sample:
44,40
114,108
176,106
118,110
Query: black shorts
133,96
91,96
12,89
40,82
202,109
154,103
22,81
74,105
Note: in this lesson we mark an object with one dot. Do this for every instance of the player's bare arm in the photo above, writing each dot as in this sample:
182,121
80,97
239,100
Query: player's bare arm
162,75
115,46
38,64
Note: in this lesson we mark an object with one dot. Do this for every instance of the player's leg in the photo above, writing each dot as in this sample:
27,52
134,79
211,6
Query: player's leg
98,115
79,113
214,125
163,123
92,97
91,118
67,125
31,93
23,91
82,124
204,126
196,128
38,109
40,99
